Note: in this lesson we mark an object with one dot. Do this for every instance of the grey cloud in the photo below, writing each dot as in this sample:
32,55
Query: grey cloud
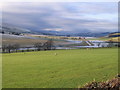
68,16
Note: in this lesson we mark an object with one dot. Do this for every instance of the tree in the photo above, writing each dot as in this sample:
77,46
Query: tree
16,47
110,44
3,48
99,44
39,46
9,47
48,45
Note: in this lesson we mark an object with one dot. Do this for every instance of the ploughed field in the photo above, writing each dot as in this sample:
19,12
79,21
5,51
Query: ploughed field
59,68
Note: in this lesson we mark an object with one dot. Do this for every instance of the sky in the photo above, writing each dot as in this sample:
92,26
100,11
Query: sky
62,16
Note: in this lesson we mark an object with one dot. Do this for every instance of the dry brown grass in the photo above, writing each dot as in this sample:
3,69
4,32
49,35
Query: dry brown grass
110,84
24,42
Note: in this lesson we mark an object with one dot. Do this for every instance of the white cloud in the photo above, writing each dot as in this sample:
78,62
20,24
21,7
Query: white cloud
60,1
53,29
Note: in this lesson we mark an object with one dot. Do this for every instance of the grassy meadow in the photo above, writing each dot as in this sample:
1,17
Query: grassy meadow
59,68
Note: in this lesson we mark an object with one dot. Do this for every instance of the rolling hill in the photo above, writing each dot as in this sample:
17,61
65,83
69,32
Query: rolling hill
8,28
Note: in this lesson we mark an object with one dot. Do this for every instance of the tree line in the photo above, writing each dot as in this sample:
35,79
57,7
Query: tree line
48,45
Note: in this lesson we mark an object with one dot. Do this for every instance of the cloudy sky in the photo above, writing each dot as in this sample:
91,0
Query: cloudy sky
62,16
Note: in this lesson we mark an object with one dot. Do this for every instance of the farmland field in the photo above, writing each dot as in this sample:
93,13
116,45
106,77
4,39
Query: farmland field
59,68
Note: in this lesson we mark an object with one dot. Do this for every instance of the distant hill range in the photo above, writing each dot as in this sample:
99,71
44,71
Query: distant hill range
6,28
11,29
115,34
114,37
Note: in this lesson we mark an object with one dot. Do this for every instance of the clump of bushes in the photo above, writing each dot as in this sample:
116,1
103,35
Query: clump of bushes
110,84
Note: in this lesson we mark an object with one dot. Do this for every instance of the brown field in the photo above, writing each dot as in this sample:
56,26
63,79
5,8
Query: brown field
24,42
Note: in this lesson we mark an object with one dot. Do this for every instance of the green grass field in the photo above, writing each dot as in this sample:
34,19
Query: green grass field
67,69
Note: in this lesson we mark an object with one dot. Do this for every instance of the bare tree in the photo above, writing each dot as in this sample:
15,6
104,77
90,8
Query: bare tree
4,48
39,46
10,47
110,44
99,44
48,45
16,47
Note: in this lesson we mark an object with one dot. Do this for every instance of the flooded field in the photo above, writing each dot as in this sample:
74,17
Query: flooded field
28,42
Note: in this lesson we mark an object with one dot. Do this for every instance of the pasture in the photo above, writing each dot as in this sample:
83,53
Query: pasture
58,68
